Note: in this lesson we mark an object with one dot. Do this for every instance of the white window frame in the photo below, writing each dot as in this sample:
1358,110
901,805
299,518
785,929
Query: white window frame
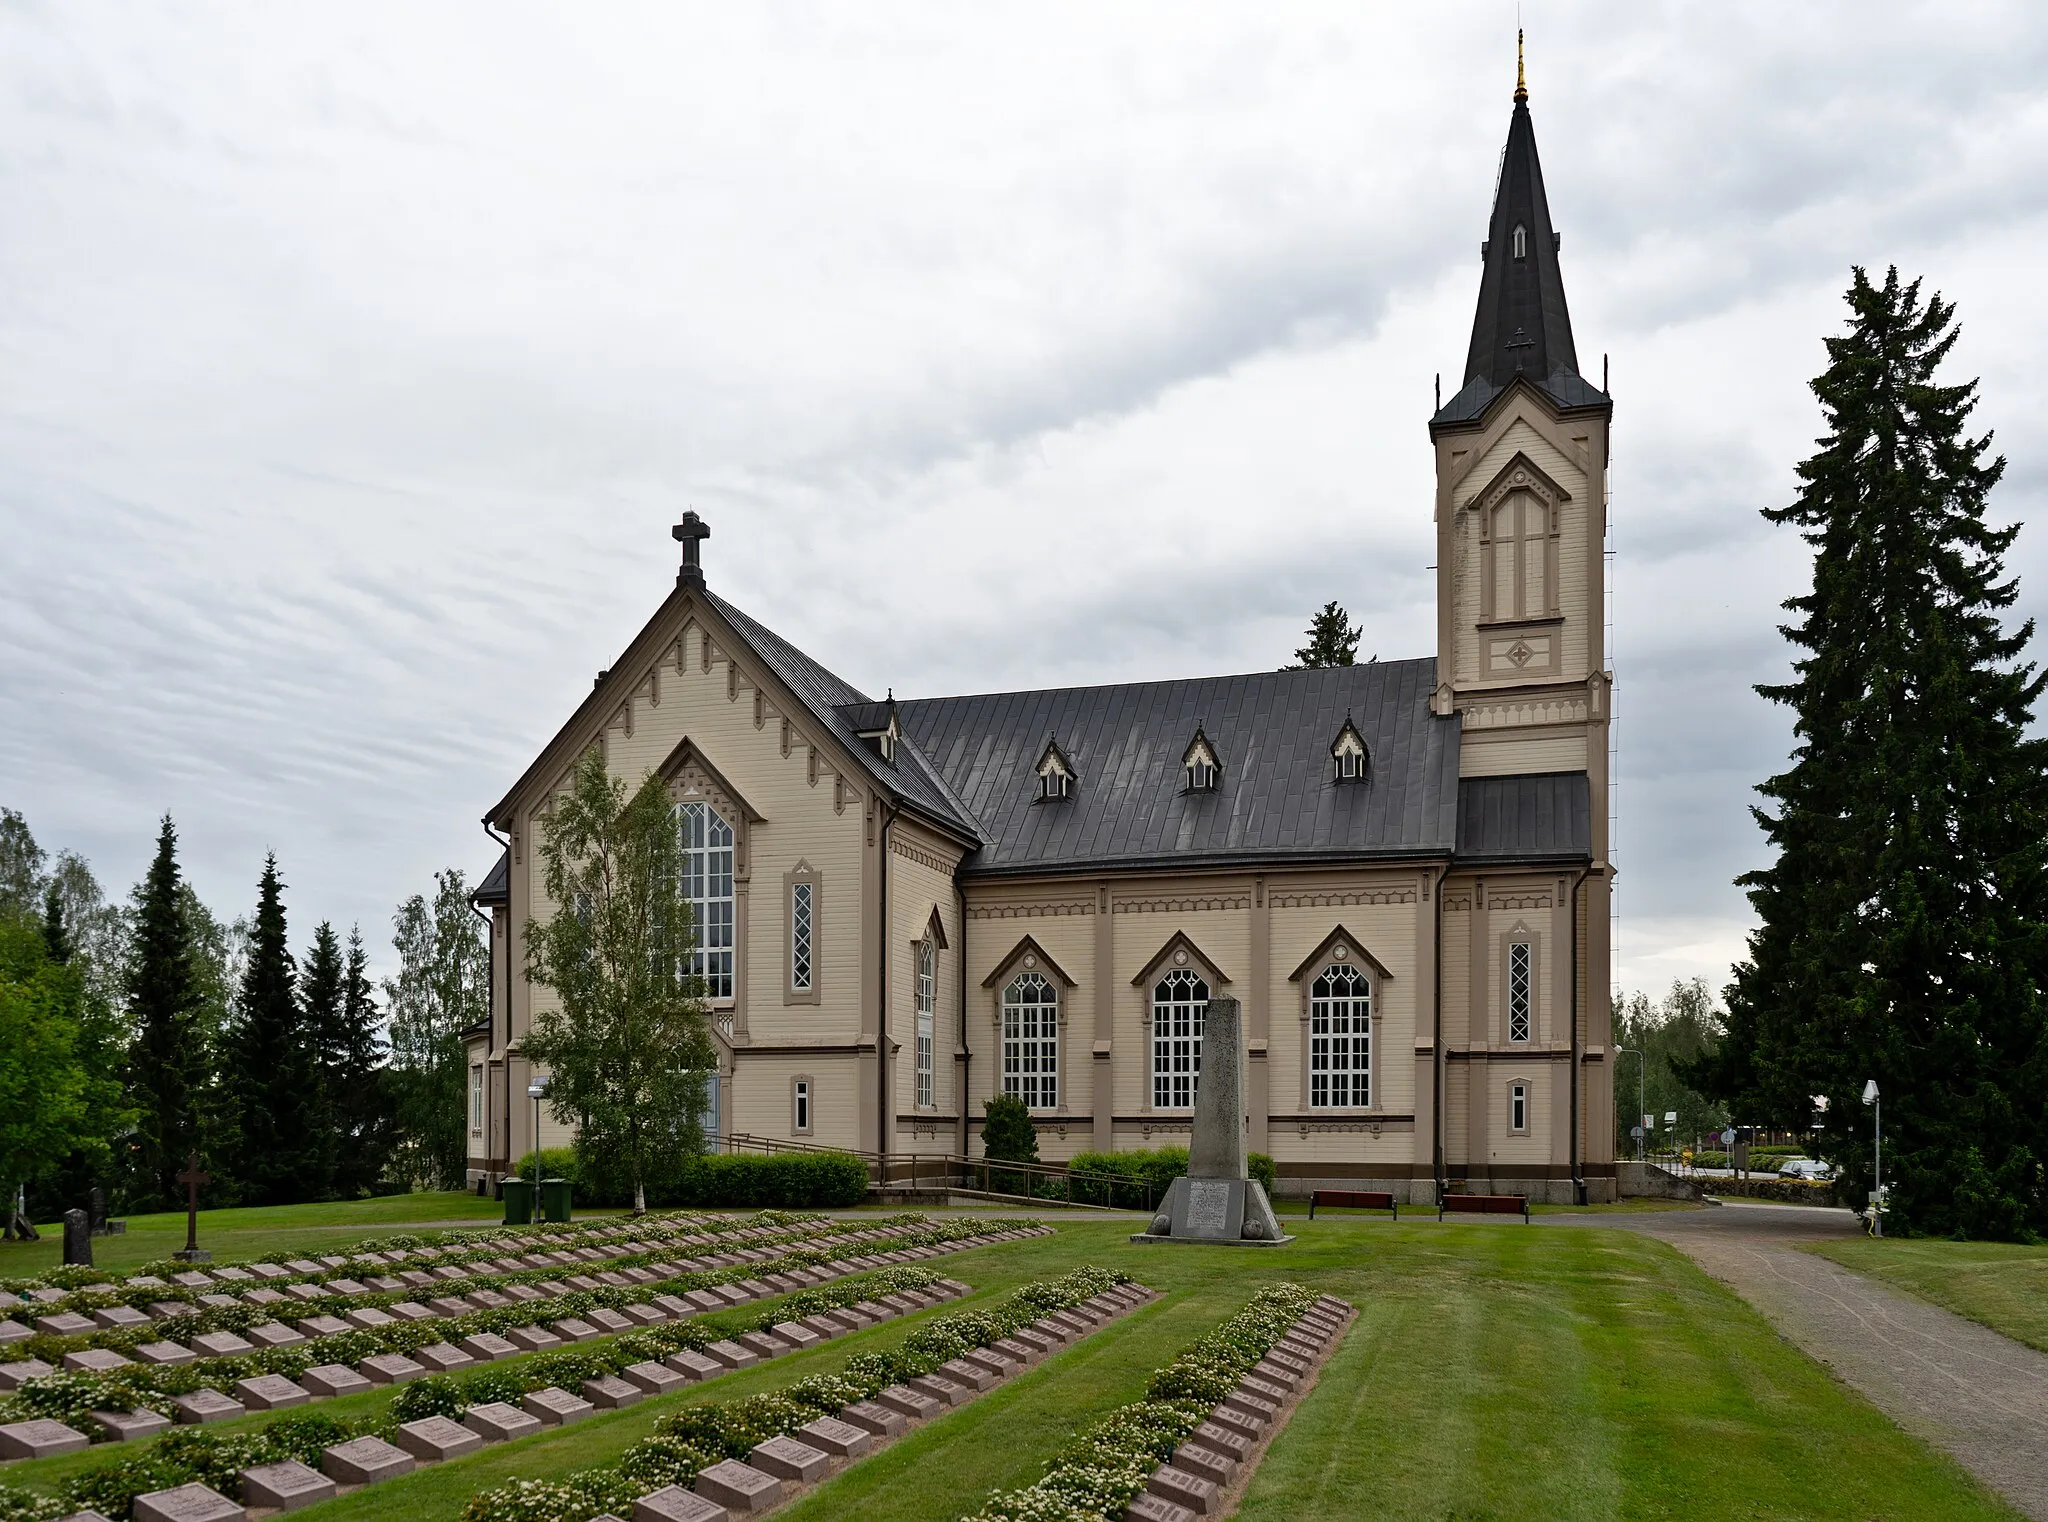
1340,1038
1521,991
1031,1040
708,858
927,999
476,1099
1180,1003
1518,1108
800,1116
803,950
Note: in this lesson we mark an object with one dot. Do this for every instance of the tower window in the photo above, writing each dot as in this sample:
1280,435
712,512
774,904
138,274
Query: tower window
1520,990
1521,241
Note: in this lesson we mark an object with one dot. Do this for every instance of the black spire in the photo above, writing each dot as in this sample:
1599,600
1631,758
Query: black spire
1522,326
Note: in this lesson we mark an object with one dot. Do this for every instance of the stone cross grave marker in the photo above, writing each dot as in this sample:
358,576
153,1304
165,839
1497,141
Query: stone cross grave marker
192,1178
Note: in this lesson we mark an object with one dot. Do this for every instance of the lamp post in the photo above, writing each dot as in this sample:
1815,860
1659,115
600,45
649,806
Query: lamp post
1643,1131
1876,1156
537,1091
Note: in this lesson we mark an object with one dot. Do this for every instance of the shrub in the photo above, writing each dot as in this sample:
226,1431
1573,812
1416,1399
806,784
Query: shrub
436,1395
26,1506
302,1435
1007,1134
555,1162
785,1180
1150,1171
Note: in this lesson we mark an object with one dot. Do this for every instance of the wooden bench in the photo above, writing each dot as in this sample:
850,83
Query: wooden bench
1484,1204
1353,1199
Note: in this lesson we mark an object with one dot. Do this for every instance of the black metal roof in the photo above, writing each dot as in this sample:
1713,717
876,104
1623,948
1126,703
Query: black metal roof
842,709
496,888
1544,817
1522,327
1278,799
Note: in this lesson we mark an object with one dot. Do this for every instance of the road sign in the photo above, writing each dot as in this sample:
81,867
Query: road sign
1728,1137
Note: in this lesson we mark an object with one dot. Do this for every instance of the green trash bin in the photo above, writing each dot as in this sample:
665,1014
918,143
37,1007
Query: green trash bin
518,1202
554,1199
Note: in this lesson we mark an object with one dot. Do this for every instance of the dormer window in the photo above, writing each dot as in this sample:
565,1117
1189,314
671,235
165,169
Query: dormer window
1348,757
1521,241
877,725
1203,771
1055,774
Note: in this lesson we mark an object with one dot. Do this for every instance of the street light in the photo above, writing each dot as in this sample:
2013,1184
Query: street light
537,1091
1642,1131
1876,1156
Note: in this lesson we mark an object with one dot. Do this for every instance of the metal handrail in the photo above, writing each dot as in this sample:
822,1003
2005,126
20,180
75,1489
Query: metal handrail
884,1168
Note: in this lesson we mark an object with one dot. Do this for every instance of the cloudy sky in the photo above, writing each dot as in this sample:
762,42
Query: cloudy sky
354,361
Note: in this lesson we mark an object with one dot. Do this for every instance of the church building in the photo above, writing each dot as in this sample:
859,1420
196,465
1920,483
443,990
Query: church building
1399,869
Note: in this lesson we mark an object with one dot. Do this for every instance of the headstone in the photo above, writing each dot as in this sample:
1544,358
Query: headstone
675,1504
78,1238
365,1461
738,1487
95,1361
40,1439
435,1438
127,1426
1218,1201
206,1405
788,1459
556,1407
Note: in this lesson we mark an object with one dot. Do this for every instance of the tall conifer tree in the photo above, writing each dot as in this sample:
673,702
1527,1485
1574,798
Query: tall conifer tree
321,997
167,1069
276,1075
362,1092
1902,920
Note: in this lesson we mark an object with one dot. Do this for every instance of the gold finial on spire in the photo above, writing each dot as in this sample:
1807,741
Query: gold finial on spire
1521,80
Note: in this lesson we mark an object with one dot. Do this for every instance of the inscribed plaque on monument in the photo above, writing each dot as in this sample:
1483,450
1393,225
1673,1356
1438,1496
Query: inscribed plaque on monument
1208,1207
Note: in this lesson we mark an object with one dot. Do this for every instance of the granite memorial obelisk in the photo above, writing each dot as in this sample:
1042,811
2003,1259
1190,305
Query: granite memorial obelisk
1218,1201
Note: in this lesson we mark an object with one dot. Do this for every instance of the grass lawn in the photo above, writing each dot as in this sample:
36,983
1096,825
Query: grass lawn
1496,1372
2001,1284
232,1234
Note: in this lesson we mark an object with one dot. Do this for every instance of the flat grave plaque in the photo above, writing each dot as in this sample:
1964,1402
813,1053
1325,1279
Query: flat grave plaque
532,1339
163,1353
787,1459
365,1461
676,1504
40,1439
739,1487
187,1503
486,1347
841,1439
694,1366
391,1368
1147,1507
878,1419
66,1324
731,1354
556,1407
576,1330
331,1379
270,1392
611,1393
436,1438
324,1326
285,1486
127,1426
410,1310
448,1305
116,1316
1212,1466
95,1361
205,1405
369,1317
497,1422
441,1358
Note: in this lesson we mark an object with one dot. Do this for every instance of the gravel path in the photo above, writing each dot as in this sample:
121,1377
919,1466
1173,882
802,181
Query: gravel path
1979,1396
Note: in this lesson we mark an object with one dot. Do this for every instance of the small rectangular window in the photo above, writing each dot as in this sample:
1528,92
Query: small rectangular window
803,1105
800,937
1520,985
1518,1107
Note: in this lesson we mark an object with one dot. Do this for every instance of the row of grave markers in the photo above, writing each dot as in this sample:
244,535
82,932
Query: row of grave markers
43,1438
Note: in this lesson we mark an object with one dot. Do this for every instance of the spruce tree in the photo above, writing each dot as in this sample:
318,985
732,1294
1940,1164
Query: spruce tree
1332,641
275,1073
167,1068
362,1093
56,938
1901,934
321,993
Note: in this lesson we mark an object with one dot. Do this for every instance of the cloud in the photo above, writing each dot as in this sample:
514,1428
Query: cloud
356,361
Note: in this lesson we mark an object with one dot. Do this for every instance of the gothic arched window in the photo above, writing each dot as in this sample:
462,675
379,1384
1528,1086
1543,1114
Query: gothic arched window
1521,241
1031,1041
1180,1001
1340,1038
927,985
707,882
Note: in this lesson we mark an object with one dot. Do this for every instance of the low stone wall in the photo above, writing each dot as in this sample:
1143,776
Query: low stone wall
1646,1181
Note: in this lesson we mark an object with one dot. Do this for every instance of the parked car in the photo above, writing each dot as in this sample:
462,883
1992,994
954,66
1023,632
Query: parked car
1806,1168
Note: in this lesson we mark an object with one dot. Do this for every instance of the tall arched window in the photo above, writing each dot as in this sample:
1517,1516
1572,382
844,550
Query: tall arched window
707,880
1521,241
1179,1002
1340,1039
1031,1041
927,986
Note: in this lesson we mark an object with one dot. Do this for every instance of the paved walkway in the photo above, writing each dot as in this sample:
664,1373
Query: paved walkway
1978,1395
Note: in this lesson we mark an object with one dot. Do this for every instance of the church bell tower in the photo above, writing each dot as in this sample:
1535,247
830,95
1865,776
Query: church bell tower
1521,508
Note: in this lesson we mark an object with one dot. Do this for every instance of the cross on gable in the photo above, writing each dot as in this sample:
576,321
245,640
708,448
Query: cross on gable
691,533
